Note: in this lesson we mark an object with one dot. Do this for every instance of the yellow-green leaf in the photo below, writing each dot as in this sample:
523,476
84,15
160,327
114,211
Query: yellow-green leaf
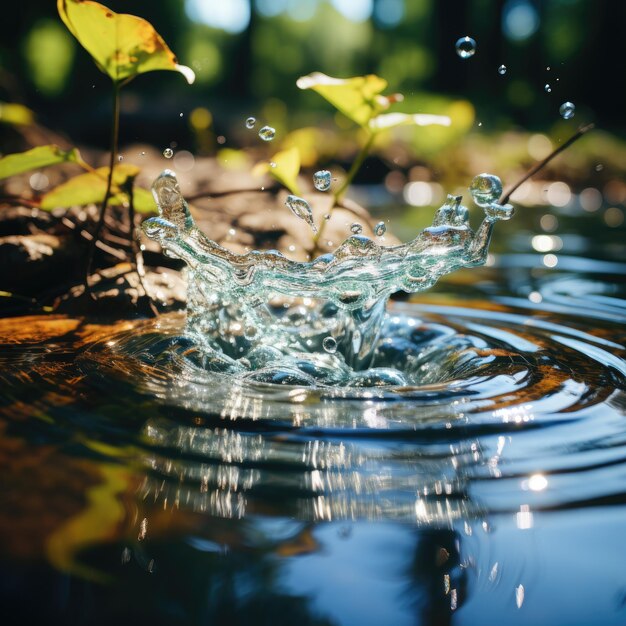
143,201
359,98
285,167
391,120
16,114
89,188
42,156
122,45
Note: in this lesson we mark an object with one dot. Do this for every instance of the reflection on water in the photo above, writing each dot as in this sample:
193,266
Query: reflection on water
138,485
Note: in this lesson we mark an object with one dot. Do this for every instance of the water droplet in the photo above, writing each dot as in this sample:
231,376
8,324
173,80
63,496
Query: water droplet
120,158
465,47
321,180
267,133
330,345
301,208
251,122
547,88
326,216
356,228
567,110
272,164
548,68
502,70
180,115
221,140
599,167
380,229
168,153
143,153
486,189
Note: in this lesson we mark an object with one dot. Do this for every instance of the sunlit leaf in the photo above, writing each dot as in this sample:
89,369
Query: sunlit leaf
42,156
285,167
143,201
16,114
122,45
391,120
359,98
89,188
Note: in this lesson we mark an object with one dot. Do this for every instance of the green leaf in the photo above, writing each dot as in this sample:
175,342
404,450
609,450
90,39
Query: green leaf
285,169
391,120
121,45
143,201
90,188
359,98
42,156
16,114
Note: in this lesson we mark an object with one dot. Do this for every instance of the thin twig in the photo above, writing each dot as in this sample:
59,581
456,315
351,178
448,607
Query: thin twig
107,194
539,166
136,255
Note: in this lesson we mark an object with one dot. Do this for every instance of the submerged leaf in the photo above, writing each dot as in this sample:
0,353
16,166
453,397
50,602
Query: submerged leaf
358,98
89,188
122,45
285,168
42,156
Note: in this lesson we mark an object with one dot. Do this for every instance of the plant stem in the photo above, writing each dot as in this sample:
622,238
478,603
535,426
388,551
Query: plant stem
115,128
536,168
338,195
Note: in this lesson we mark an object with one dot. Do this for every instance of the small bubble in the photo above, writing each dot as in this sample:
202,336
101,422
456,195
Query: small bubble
250,122
267,133
380,229
221,140
180,115
356,228
465,47
321,180
486,189
548,68
120,158
599,167
502,70
326,216
143,153
330,345
250,332
480,124
567,110
168,153
547,88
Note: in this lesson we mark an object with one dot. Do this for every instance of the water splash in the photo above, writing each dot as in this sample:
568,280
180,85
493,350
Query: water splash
294,306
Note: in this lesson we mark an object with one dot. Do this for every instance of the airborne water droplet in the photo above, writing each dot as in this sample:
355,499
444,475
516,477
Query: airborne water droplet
330,345
502,70
356,228
250,122
168,153
486,189
567,110
267,133
380,229
547,88
321,180
301,208
465,47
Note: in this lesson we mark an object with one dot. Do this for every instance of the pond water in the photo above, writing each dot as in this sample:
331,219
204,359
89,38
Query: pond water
489,489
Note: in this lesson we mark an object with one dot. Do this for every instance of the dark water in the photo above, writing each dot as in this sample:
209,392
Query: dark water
137,488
